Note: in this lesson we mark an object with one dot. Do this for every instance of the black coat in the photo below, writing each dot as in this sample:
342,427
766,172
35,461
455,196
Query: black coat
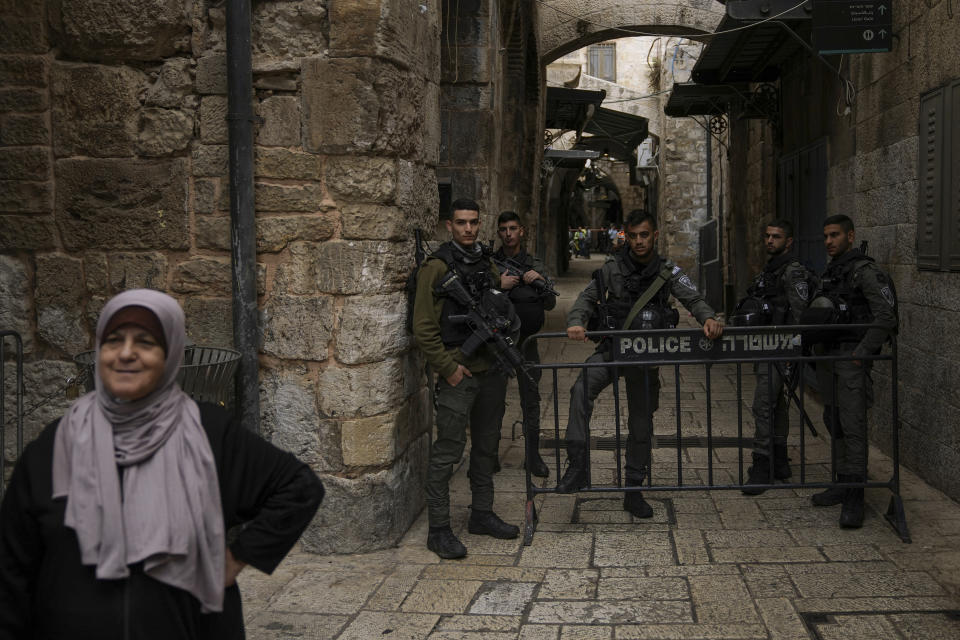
268,498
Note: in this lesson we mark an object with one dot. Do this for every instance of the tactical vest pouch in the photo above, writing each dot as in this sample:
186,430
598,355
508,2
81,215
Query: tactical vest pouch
752,312
654,316
827,310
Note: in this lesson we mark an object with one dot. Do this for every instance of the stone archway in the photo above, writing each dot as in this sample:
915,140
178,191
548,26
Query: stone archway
682,195
567,25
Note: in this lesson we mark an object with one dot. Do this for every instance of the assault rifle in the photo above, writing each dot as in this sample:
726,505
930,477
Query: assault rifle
489,327
514,268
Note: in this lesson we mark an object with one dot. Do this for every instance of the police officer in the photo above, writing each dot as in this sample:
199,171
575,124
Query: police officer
852,281
530,303
626,276
468,388
778,295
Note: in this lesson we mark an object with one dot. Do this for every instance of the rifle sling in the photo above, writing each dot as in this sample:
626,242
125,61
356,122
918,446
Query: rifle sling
647,296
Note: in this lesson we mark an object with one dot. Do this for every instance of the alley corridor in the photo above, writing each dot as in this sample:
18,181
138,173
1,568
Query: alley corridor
707,565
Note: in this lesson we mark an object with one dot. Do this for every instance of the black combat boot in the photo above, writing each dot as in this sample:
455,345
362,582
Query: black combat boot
758,473
575,477
831,496
781,463
442,542
851,514
487,523
534,460
634,503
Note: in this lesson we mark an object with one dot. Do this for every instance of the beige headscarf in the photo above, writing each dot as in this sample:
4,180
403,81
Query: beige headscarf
168,513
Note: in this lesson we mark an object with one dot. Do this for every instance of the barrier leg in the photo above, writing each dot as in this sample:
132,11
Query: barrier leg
898,518
529,522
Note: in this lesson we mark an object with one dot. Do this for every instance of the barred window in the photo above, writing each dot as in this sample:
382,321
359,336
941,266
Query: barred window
602,61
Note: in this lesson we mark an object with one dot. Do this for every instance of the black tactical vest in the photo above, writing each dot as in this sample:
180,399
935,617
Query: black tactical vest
476,277
636,281
837,284
527,301
768,287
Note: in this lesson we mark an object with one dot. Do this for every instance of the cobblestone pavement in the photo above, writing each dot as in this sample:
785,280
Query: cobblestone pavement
707,565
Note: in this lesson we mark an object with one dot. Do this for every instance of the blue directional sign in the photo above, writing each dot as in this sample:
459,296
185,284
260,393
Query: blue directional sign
852,26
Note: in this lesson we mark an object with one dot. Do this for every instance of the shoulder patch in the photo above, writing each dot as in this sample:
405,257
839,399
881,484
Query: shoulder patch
887,294
803,289
686,281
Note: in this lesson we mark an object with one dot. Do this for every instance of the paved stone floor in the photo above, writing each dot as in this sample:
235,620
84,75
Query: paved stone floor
708,564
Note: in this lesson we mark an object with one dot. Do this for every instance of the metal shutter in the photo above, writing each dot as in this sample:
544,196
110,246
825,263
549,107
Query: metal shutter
952,182
929,180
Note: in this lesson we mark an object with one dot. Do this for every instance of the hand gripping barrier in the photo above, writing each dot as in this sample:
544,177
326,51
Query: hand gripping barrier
780,349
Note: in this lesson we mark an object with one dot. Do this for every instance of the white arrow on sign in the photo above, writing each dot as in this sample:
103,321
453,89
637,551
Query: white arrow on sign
883,33
882,9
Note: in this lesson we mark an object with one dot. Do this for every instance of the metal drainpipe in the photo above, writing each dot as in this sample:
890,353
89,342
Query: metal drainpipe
242,226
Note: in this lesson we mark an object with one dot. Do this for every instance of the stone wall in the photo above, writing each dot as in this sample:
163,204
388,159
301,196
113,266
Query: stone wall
469,109
682,207
872,154
113,157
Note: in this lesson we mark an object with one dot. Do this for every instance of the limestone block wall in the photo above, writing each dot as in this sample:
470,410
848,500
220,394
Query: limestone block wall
113,174
469,105
884,204
683,168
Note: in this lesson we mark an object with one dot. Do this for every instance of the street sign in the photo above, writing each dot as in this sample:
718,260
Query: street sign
852,26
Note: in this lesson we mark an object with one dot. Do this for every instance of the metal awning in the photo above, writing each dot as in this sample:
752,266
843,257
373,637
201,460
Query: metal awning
569,158
570,108
748,51
623,128
689,99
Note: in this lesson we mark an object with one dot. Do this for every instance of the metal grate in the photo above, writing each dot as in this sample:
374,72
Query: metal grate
206,374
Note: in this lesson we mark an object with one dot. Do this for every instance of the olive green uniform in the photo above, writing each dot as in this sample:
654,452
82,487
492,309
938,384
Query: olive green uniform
477,399
642,383
871,296
786,279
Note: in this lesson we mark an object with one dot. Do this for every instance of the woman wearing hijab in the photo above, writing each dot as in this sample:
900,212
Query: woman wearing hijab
132,515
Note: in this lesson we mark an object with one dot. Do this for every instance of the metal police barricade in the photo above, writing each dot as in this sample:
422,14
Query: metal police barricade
772,347
13,337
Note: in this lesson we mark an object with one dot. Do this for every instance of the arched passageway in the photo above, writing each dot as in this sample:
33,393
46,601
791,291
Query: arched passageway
679,191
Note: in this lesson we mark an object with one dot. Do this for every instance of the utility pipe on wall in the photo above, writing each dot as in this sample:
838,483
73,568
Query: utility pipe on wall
242,226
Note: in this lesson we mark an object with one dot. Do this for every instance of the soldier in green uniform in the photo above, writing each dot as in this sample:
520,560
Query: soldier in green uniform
779,294
530,303
854,281
469,389
627,276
